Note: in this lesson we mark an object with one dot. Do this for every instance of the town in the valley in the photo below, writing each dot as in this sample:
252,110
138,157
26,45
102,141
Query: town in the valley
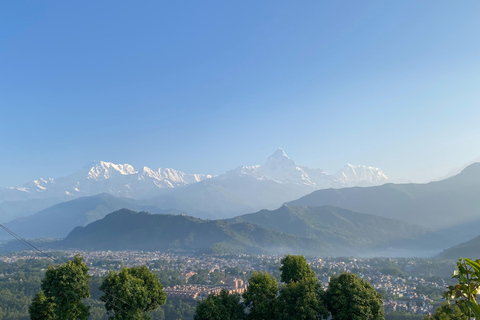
413,285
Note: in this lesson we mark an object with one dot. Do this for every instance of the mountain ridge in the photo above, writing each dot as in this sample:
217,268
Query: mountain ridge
238,191
437,204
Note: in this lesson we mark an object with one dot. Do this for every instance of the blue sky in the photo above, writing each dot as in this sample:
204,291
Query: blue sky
205,86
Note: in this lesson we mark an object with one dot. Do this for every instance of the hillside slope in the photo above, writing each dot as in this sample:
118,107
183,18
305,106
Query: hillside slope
57,221
437,205
129,230
336,225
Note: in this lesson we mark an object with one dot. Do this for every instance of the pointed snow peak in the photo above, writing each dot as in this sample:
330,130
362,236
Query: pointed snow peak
279,157
279,161
278,154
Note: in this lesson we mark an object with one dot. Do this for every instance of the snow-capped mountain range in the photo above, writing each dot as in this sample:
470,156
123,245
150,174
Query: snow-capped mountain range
280,168
99,177
125,181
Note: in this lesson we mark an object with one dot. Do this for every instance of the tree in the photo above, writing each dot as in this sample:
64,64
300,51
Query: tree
223,306
295,268
351,298
464,294
301,295
301,300
66,285
42,308
131,293
447,312
260,296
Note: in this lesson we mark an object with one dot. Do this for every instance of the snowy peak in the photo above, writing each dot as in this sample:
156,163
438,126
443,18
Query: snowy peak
279,160
280,168
100,176
124,180
360,174
106,170
278,154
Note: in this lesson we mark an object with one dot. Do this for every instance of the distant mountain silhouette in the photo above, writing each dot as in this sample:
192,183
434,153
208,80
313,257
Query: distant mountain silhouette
438,205
58,220
469,249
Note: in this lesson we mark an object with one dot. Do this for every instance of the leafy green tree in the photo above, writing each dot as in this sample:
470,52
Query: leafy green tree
301,297
464,294
301,300
351,298
261,296
223,306
42,308
447,312
131,293
295,268
67,285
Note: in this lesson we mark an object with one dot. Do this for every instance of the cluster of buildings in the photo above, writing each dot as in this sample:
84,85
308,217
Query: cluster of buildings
401,291
199,292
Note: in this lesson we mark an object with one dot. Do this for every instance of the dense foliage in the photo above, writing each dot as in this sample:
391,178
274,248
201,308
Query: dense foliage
66,285
260,298
351,298
300,296
223,306
131,293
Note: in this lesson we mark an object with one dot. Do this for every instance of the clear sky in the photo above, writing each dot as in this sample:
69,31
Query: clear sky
206,86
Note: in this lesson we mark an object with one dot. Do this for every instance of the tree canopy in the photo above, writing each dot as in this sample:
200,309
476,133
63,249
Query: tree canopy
301,295
447,312
131,293
351,298
302,300
295,268
223,306
42,308
261,295
66,285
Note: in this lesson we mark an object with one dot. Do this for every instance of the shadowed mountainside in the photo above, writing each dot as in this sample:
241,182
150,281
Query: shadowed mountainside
437,205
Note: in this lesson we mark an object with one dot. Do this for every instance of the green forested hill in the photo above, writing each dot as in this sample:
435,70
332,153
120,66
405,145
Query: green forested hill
326,231
129,230
336,225
469,249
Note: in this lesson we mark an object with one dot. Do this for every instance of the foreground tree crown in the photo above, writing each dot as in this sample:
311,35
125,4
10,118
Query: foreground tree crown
351,298
131,293
300,296
64,286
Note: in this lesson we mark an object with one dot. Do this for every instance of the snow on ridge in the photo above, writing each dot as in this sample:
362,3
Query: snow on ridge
105,170
361,173
124,180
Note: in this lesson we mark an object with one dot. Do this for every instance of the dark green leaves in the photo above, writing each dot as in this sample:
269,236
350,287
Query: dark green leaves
131,293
